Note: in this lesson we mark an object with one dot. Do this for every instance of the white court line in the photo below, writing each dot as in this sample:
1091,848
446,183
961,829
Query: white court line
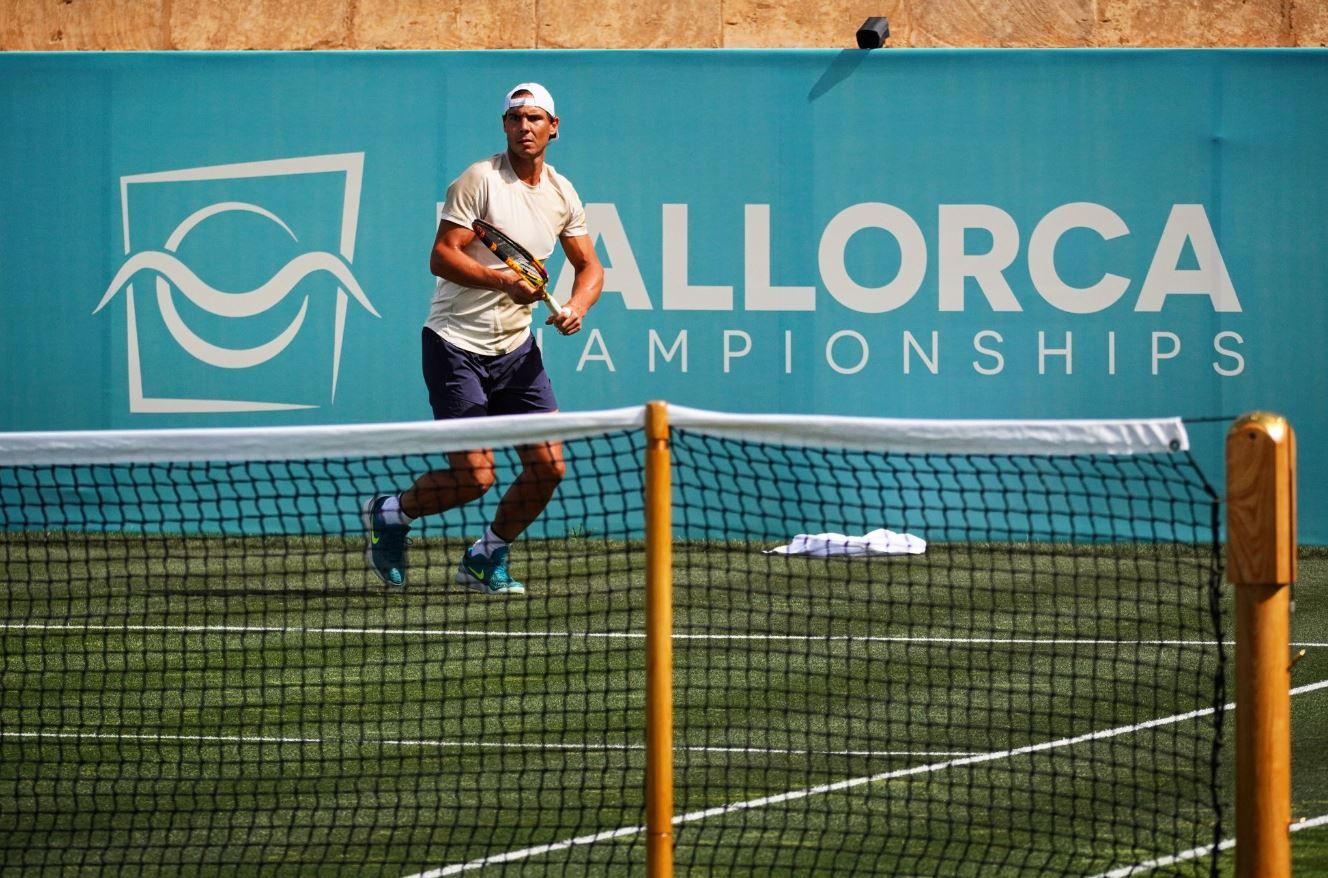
92,735
793,795
1310,822
1149,865
605,635
1195,853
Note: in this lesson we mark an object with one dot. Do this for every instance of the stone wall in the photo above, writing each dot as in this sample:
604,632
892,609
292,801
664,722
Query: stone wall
579,24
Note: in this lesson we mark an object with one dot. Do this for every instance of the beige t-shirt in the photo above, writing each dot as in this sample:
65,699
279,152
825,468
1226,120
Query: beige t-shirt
486,321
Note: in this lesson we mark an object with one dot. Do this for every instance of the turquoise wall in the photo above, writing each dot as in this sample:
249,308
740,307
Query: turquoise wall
243,238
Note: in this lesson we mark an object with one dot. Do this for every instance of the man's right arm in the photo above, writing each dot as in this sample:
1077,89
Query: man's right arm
450,261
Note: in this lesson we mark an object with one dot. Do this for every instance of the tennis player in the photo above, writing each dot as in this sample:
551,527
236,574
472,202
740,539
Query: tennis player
479,355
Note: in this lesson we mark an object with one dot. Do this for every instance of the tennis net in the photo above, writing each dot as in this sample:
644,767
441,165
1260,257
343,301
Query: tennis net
997,651
933,648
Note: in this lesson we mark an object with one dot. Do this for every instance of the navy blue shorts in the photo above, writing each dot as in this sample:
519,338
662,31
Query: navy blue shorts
466,385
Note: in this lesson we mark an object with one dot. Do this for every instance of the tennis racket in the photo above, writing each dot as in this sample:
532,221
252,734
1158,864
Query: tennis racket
519,259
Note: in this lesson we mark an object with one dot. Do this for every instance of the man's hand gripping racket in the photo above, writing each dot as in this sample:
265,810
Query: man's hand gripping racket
519,259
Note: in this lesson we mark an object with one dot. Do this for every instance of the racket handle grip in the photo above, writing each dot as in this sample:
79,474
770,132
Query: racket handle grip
551,302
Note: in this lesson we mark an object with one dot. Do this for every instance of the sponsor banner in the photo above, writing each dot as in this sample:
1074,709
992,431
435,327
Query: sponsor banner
243,239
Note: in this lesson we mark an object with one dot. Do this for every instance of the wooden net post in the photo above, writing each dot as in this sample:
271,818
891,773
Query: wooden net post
1261,564
659,645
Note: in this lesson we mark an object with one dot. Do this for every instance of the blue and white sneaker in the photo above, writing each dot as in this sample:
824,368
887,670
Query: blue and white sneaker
385,544
488,575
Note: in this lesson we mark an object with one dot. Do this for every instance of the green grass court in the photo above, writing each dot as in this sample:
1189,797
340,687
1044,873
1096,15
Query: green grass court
258,707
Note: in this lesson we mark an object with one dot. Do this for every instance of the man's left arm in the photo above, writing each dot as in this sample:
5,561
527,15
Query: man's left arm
587,284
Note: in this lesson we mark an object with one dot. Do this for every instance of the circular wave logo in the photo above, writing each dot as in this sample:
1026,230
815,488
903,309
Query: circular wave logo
204,349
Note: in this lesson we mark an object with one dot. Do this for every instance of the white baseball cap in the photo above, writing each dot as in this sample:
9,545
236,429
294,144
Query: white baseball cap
539,97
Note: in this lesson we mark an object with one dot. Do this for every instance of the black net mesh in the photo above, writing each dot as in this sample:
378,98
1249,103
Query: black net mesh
199,675
1041,692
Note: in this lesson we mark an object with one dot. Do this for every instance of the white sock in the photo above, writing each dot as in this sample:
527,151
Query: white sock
486,544
392,513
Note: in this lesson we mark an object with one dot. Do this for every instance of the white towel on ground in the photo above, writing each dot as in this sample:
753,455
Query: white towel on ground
877,542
